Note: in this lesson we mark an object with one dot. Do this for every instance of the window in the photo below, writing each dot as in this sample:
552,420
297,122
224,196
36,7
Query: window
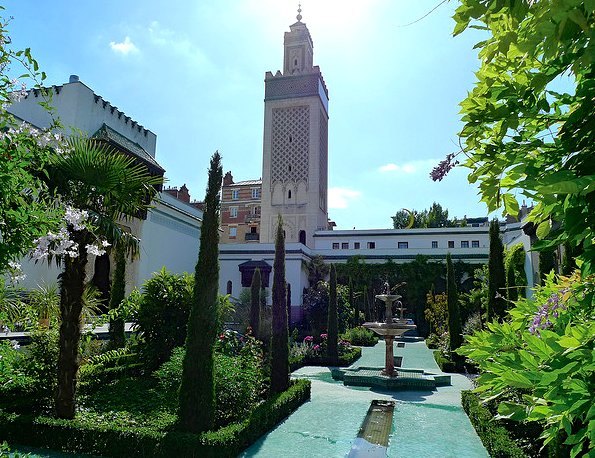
253,229
402,245
451,244
233,212
464,243
434,243
229,287
302,237
335,245
235,194
345,246
474,243
289,194
356,245
255,193
233,231
256,210
371,245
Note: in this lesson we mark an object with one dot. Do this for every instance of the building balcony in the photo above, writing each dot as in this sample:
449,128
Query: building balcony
251,237
251,218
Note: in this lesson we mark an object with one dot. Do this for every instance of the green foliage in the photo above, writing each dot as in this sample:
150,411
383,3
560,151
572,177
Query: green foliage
493,435
6,453
547,262
421,275
197,392
255,303
162,316
280,331
444,362
26,213
496,304
514,264
317,270
528,120
452,301
436,313
540,364
109,434
360,336
238,383
435,216
332,324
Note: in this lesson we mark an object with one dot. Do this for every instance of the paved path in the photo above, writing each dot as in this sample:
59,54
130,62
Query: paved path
426,423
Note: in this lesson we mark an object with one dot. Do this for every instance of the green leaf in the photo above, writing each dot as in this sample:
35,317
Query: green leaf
544,229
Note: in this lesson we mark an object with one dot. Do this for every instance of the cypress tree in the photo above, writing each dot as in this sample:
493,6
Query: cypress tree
255,303
118,292
497,276
452,298
332,324
280,332
197,391
353,304
547,262
511,287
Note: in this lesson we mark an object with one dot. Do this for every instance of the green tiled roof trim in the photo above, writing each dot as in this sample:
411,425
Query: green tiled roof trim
107,133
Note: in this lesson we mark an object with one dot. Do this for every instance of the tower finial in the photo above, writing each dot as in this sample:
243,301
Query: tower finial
299,15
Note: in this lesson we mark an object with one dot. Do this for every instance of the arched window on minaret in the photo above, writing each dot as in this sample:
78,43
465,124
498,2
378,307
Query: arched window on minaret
303,237
289,194
229,287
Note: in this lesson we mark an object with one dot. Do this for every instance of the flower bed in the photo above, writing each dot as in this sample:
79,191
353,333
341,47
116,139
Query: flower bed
312,352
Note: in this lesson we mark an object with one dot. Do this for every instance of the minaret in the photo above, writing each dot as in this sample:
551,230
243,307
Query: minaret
295,149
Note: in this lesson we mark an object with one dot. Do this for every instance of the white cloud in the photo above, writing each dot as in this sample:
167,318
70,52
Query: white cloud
180,46
126,47
409,167
342,197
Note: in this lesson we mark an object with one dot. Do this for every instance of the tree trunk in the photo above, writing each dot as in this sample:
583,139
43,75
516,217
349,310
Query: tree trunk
118,293
72,284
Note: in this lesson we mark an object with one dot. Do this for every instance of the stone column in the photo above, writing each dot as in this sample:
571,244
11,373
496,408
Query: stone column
389,364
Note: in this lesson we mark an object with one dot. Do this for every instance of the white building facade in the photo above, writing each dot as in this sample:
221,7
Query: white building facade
170,233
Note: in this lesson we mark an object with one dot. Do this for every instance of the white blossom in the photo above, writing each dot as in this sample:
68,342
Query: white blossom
76,218
95,250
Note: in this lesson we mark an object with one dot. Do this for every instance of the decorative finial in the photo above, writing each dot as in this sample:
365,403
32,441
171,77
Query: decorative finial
299,15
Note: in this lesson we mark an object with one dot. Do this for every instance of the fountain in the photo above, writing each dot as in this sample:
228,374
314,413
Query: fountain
391,328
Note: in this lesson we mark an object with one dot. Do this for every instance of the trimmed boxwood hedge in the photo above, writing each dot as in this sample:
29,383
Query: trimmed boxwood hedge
493,435
78,436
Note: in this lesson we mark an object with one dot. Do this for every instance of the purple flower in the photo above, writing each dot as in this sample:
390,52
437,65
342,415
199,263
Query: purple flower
308,339
443,167
542,319
316,347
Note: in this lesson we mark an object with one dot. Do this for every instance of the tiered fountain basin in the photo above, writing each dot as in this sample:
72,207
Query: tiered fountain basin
403,379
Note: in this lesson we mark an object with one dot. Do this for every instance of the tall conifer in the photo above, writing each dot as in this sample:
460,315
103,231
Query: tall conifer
280,332
118,292
497,275
255,303
452,298
332,324
197,392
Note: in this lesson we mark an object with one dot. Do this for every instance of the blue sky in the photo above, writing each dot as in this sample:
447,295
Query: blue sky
193,73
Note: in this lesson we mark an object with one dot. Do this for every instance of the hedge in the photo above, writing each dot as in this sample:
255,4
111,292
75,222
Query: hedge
445,365
86,437
494,436
344,360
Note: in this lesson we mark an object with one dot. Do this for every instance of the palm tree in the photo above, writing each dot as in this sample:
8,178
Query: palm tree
109,186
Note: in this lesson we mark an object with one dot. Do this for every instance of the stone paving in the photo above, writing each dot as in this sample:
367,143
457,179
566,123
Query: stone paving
426,423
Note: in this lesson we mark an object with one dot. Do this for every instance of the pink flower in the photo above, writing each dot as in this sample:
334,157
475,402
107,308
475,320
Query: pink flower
323,336
308,339
316,347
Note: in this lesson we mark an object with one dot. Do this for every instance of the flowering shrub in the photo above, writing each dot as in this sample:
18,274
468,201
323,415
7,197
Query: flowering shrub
540,364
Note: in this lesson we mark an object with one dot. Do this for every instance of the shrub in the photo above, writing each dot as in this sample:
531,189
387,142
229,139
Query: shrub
360,336
493,435
162,317
238,383
100,436
445,364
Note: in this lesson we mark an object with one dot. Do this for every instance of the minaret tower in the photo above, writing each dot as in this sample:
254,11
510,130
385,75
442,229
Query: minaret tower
295,150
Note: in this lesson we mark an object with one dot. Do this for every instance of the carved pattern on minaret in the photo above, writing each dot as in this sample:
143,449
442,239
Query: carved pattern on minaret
322,181
290,144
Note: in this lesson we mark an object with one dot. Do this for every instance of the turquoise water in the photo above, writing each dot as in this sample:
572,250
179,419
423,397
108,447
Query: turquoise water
425,424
